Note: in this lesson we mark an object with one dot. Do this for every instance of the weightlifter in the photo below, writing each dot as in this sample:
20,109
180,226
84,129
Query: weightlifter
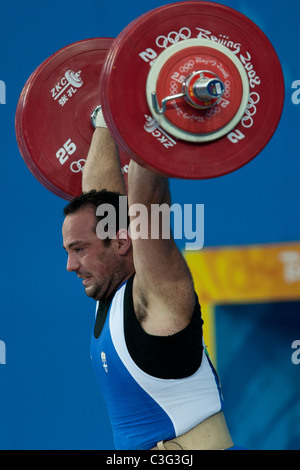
161,389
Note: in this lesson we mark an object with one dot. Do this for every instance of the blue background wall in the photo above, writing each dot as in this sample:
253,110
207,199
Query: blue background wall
48,393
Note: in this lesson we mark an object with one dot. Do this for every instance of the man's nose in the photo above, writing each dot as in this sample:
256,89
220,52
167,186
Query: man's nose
72,263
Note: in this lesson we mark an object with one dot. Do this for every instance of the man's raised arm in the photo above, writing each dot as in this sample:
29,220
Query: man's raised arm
102,168
163,285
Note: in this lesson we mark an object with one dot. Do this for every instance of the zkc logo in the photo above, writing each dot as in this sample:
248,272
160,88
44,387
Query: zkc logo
2,92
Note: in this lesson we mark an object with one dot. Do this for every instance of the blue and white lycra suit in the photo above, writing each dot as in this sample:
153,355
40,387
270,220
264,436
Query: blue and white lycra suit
156,388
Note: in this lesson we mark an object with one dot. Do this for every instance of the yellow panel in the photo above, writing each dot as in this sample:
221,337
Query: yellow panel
245,274
262,273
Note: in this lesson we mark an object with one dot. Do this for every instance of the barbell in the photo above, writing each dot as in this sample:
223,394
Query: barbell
190,90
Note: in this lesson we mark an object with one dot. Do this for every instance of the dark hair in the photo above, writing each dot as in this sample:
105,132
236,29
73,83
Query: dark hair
94,199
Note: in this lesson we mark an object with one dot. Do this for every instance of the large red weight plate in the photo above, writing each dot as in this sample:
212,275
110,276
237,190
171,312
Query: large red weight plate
53,125
124,77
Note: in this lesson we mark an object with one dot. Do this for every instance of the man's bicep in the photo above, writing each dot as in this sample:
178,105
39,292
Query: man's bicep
159,265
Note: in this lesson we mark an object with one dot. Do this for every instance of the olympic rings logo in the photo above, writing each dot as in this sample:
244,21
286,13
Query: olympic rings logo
76,167
187,67
173,88
227,89
212,112
247,120
173,37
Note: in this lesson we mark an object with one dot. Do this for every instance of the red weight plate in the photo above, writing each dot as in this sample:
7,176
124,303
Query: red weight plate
190,60
124,77
53,126
19,133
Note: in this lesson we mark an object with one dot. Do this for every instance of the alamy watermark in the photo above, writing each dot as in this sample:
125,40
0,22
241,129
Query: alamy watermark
2,92
296,354
2,352
188,222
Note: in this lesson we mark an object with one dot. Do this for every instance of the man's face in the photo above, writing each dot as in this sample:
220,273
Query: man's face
96,264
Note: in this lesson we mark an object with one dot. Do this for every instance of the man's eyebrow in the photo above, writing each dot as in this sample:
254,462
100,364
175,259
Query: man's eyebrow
72,244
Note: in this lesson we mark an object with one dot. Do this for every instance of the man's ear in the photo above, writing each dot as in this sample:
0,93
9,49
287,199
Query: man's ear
124,241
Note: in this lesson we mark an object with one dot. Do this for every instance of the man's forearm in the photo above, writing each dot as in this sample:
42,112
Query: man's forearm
102,168
146,187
